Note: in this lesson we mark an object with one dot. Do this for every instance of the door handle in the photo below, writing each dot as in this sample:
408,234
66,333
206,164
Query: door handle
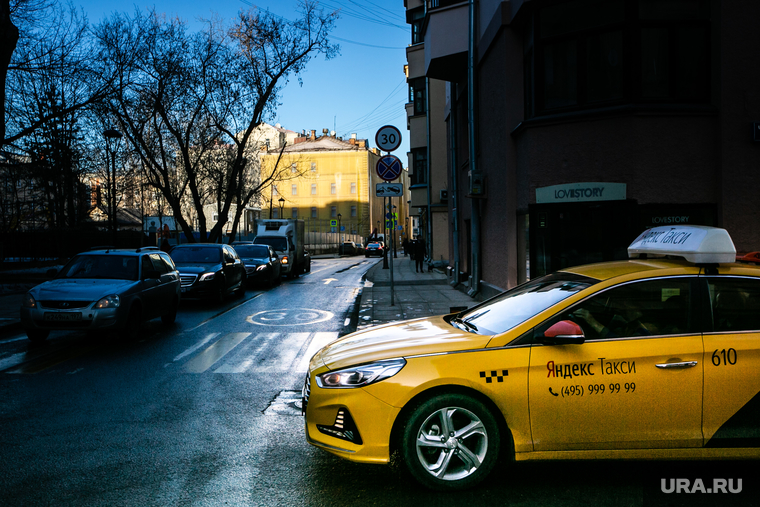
686,364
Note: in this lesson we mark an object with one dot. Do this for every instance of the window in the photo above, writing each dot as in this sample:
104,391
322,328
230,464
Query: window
417,18
313,167
274,190
735,304
333,211
275,213
313,189
590,53
653,307
419,159
294,213
333,188
293,189
313,212
293,168
353,187
353,211
418,95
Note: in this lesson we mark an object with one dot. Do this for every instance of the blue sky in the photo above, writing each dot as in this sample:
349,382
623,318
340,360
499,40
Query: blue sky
357,92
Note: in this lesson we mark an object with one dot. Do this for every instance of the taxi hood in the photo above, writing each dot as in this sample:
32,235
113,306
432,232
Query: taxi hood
403,339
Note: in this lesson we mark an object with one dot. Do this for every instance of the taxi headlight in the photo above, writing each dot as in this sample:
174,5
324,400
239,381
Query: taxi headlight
111,301
29,301
360,376
284,259
205,277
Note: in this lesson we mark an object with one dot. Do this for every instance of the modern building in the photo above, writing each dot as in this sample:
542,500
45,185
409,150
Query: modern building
426,123
329,182
573,125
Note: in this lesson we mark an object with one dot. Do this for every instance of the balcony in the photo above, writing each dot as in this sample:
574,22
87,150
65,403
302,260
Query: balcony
446,34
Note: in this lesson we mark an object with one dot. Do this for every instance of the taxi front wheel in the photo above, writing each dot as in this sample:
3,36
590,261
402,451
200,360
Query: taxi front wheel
450,442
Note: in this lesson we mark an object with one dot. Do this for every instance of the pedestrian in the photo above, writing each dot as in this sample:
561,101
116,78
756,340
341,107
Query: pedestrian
152,234
405,246
419,255
165,235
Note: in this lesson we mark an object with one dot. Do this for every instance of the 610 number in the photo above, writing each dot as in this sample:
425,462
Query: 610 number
724,357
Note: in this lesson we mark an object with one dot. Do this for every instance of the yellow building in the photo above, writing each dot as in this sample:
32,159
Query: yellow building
327,180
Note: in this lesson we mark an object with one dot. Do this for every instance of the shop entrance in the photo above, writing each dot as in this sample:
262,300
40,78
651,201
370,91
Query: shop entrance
570,234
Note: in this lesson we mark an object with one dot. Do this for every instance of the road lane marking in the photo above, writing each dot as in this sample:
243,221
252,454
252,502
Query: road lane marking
328,280
289,317
195,347
212,354
319,340
258,344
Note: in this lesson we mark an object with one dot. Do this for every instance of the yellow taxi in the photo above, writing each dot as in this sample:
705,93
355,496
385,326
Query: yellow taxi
654,357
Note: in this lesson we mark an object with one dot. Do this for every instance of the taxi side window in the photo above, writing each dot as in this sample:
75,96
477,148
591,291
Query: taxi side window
651,308
735,304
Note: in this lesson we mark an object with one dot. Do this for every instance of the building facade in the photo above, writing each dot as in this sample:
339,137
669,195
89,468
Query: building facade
426,123
329,183
592,120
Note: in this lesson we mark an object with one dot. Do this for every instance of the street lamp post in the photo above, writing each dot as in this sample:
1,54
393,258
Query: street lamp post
339,238
113,139
282,206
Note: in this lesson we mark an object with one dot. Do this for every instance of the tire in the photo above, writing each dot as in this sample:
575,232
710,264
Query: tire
131,329
169,317
37,335
457,461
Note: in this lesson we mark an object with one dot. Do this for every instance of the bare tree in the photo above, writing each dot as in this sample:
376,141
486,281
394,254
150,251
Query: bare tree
40,40
178,96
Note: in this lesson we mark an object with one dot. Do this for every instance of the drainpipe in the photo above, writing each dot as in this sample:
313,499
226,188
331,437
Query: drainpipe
474,169
429,221
454,185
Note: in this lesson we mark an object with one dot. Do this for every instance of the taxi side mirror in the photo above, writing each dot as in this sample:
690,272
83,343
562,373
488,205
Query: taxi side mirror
564,332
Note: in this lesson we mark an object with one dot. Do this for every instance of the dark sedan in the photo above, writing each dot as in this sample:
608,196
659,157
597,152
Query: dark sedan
209,270
374,249
262,265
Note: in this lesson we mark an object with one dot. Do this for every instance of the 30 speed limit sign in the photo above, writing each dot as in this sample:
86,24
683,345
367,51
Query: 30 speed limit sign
388,138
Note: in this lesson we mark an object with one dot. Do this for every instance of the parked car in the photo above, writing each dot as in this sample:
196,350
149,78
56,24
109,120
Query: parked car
209,270
349,248
654,357
104,290
262,265
374,249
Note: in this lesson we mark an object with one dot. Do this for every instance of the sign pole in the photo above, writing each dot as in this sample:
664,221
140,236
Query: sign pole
390,207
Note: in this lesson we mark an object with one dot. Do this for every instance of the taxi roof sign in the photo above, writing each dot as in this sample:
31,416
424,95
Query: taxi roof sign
696,243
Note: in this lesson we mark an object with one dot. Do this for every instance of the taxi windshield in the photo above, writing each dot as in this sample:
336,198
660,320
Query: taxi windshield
515,306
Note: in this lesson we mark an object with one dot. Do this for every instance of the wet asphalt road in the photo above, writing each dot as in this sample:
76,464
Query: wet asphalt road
207,412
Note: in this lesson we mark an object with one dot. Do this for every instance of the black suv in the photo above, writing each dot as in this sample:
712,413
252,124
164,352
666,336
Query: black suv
209,270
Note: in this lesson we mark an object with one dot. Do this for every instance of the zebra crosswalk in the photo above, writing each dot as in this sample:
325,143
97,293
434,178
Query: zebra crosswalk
262,352
225,353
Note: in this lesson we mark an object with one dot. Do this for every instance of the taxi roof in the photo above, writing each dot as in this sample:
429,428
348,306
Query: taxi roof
606,270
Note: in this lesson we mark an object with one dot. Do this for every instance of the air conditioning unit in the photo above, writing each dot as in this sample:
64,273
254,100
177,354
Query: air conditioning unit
444,195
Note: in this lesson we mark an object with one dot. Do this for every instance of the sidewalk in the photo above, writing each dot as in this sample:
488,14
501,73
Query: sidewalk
415,294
